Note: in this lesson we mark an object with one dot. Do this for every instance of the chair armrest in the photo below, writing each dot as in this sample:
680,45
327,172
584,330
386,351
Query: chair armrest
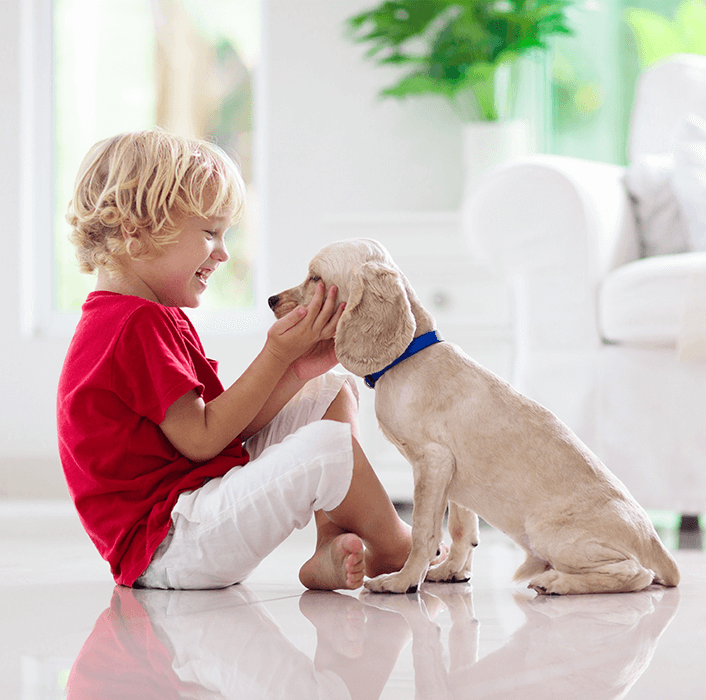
555,226
547,210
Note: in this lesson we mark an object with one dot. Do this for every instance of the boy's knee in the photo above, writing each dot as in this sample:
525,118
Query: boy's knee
344,407
349,395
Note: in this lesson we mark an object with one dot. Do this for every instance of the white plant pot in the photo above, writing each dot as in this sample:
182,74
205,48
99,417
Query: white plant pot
488,144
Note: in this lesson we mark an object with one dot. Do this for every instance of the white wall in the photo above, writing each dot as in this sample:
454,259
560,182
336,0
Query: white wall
330,147
333,146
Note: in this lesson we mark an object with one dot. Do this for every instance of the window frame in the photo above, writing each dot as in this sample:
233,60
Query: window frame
39,315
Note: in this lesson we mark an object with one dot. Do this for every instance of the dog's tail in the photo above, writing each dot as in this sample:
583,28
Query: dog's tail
532,566
663,564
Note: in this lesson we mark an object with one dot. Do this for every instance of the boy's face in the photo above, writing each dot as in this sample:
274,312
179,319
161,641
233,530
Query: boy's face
179,274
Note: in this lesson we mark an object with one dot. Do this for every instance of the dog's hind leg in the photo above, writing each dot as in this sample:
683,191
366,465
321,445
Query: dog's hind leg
531,566
433,467
608,576
463,528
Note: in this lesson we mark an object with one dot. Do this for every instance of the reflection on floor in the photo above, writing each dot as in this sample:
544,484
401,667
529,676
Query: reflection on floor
67,631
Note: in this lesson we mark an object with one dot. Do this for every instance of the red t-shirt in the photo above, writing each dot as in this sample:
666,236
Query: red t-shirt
129,360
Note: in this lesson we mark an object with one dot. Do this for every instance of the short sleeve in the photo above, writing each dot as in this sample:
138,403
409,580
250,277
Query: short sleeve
152,366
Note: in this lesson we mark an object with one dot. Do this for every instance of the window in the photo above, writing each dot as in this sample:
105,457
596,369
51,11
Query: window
123,65
594,73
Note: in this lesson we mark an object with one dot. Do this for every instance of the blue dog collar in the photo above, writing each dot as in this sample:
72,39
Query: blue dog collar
423,341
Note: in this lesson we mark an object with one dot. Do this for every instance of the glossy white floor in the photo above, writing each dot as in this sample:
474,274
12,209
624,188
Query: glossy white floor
67,631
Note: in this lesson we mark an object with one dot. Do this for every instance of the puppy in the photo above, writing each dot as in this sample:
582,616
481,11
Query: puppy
480,446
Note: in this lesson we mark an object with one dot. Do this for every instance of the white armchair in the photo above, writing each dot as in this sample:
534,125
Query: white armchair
612,342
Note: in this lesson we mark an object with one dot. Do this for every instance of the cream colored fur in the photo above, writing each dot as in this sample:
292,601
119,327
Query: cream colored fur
480,446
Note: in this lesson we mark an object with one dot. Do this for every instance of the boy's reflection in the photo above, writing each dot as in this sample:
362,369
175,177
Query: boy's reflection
158,645
207,645
123,658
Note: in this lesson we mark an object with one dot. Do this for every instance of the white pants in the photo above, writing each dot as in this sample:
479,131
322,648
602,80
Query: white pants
223,530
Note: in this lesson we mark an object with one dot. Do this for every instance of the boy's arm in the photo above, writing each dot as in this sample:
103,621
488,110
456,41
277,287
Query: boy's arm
286,388
202,430
319,360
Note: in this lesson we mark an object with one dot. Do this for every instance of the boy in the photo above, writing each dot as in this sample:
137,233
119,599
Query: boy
179,482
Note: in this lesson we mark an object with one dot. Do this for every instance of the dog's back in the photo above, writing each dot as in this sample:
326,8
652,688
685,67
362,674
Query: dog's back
518,466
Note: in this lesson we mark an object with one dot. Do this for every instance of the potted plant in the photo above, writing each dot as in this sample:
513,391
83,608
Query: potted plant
466,51
457,48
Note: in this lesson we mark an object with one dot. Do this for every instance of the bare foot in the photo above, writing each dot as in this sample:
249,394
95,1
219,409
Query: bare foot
338,563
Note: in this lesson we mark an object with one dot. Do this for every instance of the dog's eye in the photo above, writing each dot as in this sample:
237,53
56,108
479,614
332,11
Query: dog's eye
314,278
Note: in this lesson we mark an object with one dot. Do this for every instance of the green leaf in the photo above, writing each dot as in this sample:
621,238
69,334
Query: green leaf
456,44
690,19
481,81
398,58
393,22
656,36
417,84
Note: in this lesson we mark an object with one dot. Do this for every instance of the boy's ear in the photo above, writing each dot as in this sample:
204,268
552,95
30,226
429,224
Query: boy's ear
136,241
129,232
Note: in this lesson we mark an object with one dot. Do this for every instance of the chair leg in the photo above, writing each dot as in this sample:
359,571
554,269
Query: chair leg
690,535
689,523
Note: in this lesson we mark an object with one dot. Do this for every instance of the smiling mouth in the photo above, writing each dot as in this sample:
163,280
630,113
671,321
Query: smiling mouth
203,275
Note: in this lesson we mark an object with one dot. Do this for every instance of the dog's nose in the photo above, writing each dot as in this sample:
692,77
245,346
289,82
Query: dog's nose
273,301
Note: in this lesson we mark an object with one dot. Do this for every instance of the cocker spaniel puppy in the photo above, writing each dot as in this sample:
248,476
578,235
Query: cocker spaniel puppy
480,446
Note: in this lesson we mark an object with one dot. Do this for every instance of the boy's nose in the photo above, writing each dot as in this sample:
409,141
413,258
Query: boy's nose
221,253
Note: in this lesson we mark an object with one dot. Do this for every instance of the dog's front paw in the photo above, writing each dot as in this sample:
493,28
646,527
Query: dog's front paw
447,573
391,583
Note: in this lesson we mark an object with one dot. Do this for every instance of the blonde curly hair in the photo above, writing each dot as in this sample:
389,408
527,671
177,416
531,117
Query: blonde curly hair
132,189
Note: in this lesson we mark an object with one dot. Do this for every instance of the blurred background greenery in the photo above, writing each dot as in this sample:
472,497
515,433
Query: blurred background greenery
590,76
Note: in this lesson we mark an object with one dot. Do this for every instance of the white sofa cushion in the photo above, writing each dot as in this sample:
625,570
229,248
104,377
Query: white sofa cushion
689,177
668,193
645,302
661,224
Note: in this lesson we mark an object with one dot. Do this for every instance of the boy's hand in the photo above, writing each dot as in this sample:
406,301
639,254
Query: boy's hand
303,328
315,362
201,430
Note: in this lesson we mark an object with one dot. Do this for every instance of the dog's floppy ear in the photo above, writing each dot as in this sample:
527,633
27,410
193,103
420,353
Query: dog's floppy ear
377,324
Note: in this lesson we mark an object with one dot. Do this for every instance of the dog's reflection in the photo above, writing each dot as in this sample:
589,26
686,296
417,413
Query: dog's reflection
215,645
581,647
